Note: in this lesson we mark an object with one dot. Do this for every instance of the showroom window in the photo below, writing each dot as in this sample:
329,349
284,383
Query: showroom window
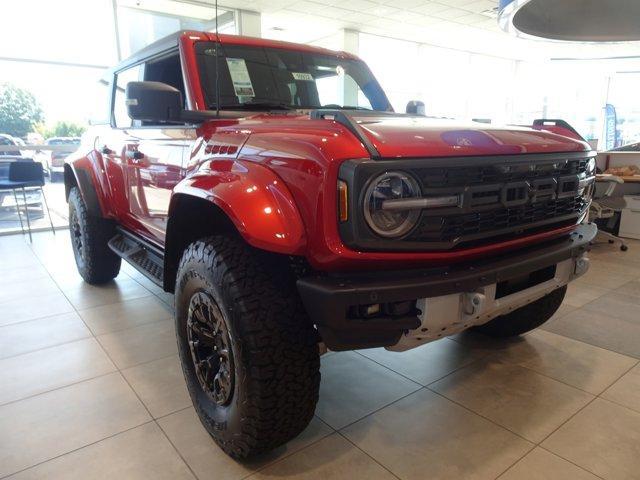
120,115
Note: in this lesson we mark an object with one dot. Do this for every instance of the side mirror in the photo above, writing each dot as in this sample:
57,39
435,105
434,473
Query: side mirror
153,102
159,102
415,107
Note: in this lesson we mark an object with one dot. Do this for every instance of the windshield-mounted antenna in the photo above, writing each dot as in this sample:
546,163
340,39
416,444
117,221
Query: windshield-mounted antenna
217,66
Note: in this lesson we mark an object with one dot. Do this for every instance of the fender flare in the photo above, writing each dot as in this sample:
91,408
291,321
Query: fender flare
81,173
254,198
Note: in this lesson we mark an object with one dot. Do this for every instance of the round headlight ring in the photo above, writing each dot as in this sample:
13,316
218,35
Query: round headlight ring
392,185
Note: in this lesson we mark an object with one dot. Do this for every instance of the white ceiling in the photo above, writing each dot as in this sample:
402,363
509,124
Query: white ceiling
469,25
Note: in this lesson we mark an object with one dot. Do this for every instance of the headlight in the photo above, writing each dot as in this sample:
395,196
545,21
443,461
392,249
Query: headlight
591,167
391,186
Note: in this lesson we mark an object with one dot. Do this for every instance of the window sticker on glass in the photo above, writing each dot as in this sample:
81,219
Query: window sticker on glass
240,77
307,77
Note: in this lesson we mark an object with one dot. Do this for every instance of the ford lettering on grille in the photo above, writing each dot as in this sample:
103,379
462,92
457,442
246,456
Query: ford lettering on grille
514,194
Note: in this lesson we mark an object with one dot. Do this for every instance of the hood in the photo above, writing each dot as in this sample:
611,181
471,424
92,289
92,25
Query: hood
398,137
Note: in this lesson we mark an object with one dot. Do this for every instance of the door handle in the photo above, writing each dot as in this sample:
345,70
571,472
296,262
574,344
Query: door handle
134,155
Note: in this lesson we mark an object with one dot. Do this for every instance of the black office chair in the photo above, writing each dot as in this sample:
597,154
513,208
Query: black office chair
23,175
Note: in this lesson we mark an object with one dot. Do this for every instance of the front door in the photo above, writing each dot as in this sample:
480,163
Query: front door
153,160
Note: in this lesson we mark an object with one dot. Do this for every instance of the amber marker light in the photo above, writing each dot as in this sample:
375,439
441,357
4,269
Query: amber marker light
343,209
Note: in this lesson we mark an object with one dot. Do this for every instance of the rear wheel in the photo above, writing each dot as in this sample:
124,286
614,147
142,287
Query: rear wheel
526,318
248,351
89,238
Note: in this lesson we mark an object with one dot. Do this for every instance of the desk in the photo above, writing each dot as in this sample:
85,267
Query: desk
628,179
634,179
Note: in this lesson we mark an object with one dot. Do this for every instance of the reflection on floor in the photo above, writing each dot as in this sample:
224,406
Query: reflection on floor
90,386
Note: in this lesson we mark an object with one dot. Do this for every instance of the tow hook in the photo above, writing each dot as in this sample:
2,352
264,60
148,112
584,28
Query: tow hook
582,265
473,302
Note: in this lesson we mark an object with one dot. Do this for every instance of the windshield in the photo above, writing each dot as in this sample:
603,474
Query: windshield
253,77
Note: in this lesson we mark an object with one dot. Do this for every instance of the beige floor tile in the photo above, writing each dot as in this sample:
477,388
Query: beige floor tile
581,294
128,314
604,438
9,275
626,391
626,307
631,288
517,398
20,310
600,329
353,386
333,457
427,363
141,453
45,426
603,275
160,385
19,258
45,332
629,258
43,370
83,295
543,465
209,462
426,436
579,364
480,342
141,344
564,309
28,290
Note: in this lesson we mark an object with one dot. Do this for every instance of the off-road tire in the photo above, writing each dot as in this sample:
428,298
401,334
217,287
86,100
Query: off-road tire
96,262
274,345
524,319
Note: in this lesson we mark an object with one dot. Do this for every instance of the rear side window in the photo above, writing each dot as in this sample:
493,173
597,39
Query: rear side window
120,115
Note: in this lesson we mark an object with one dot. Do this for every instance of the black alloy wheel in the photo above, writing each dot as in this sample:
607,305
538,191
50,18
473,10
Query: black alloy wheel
210,347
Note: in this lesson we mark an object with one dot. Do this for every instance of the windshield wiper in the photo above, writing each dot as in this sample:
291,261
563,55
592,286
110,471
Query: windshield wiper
257,106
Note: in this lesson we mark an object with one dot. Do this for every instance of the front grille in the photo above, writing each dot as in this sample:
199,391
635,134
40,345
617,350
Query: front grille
444,176
500,198
484,211
471,225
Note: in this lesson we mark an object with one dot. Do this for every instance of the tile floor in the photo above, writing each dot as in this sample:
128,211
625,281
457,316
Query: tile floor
91,387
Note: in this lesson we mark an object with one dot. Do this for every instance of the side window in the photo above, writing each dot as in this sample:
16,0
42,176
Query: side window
119,107
166,70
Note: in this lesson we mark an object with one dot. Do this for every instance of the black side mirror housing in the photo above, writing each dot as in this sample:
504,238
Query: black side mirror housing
415,107
161,103
153,102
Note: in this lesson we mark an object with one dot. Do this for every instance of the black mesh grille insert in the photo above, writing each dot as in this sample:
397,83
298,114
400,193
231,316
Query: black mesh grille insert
450,228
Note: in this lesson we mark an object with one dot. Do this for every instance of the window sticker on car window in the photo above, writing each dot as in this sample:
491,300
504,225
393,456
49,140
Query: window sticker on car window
240,77
307,77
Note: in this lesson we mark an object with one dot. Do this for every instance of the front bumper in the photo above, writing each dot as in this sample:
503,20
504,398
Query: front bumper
329,299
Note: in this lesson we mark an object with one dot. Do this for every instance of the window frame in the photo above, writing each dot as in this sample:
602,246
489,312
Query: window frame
142,64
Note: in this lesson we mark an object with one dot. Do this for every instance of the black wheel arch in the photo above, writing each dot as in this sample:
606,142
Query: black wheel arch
80,178
190,218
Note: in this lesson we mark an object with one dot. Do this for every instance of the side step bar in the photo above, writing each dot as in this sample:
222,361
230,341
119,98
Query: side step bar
143,256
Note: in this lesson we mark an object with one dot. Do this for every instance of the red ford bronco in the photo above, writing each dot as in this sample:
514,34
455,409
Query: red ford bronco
273,190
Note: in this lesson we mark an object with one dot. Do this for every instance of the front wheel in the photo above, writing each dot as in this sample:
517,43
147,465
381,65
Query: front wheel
89,239
248,351
526,318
